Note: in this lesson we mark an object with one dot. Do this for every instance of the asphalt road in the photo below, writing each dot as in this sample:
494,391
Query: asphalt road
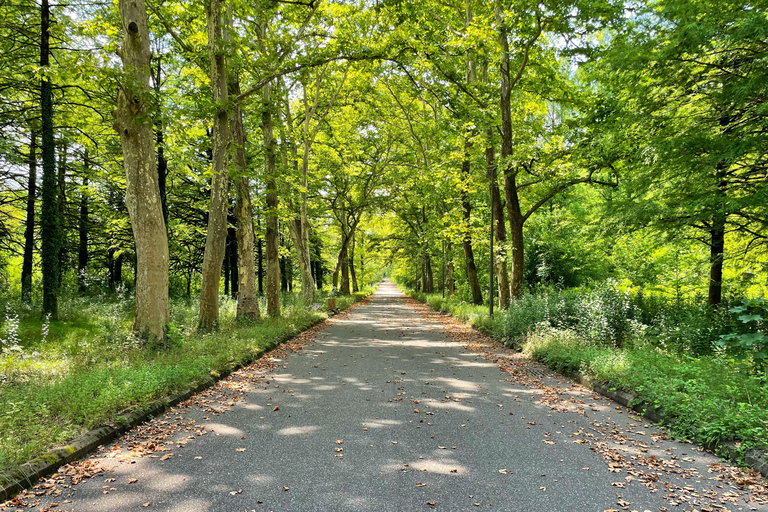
386,411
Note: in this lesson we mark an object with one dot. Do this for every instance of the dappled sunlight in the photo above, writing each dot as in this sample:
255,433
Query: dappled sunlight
191,504
295,431
379,423
222,429
438,404
464,385
440,466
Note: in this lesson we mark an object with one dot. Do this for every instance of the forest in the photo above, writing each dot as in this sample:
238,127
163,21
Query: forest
183,183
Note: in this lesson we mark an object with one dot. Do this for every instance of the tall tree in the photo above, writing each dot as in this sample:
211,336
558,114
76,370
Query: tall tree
50,220
133,121
216,236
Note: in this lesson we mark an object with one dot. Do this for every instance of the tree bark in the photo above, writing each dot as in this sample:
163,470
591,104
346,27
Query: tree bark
273,259
49,224
469,255
499,228
716,256
514,214
216,235
142,196
352,273
344,267
247,299
61,208
260,260
450,283
29,230
82,249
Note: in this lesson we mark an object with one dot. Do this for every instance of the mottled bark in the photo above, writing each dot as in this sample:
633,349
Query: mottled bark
352,273
29,229
248,299
273,260
142,196
216,235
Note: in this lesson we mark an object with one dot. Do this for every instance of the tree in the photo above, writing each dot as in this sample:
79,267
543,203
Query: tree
217,217
142,195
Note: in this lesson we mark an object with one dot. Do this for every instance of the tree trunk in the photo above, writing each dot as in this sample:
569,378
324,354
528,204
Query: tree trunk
319,274
717,244
450,283
300,238
352,273
469,255
344,259
234,281
247,299
49,224
82,249
61,207
29,230
429,273
142,195
514,214
499,228
225,270
216,236
260,261
273,259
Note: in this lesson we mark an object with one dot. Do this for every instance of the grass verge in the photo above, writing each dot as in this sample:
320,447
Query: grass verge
57,386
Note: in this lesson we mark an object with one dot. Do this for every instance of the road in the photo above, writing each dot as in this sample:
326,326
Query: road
386,409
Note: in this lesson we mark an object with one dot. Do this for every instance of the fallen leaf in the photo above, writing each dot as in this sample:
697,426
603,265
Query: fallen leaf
239,449
133,480
145,504
167,456
420,484
276,409
339,441
286,488
232,493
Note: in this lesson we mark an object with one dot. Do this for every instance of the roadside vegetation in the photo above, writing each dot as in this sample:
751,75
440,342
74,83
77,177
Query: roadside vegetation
59,378
703,369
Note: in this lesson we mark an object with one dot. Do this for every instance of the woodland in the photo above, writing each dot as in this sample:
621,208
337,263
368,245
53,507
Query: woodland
182,183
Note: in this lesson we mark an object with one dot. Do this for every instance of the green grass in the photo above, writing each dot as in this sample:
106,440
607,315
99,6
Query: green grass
89,368
710,398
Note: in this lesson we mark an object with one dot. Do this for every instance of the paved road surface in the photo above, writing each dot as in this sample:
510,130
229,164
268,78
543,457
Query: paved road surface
387,411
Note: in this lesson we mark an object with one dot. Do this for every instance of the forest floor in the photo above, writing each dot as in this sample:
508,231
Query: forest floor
391,406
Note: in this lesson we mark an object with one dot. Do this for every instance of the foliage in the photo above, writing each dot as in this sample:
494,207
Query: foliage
750,341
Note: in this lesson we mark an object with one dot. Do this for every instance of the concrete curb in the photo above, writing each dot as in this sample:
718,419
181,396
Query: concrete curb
755,458
27,475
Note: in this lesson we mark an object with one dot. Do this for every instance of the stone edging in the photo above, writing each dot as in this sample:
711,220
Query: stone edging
27,475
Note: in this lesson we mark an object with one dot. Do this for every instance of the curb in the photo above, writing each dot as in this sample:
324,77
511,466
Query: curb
26,476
